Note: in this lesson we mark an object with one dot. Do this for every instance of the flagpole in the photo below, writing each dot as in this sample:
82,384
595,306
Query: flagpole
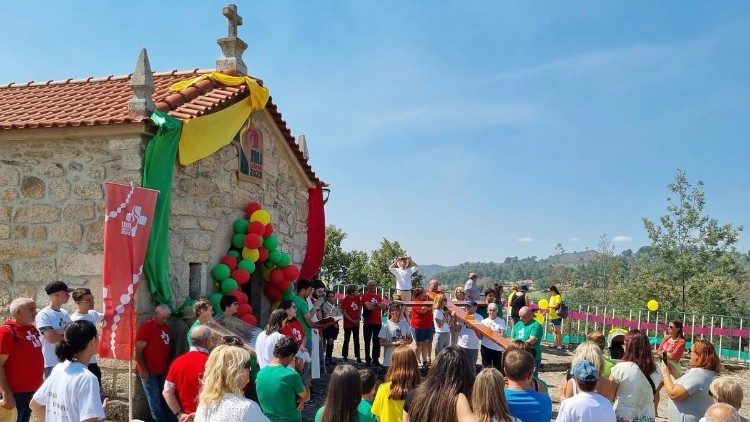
130,389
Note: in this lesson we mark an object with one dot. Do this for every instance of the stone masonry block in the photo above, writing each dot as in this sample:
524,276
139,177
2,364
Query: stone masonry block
58,189
5,213
20,232
6,273
15,250
35,271
39,233
8,175
79,211
198,240
53,170
4,231
65,232
90,190
37,213
79,264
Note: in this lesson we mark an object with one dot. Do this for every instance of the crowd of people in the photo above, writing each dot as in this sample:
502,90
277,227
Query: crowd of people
435,365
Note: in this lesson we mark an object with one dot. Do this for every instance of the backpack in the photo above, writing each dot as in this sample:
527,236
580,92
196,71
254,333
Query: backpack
562,311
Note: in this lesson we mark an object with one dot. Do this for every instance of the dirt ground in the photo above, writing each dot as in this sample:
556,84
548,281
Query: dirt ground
554,365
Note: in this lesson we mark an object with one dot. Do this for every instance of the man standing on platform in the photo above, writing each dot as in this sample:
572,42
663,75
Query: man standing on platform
530,331
471,289
403,268
152,360
51,322
373,305
21,360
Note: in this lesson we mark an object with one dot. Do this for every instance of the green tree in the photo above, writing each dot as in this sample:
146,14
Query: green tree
357,272
381,259
336,261
690,242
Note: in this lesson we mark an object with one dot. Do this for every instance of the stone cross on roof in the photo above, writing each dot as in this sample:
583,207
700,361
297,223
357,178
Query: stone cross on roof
232,46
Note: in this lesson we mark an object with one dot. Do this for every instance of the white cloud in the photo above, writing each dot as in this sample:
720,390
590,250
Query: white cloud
575,239
525,240
622,239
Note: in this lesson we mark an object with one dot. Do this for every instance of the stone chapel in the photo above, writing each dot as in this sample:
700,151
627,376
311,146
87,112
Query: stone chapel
61,140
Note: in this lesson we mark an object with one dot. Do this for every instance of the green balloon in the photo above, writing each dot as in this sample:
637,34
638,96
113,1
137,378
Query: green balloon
275,256
271,242
238,241
234,253
229,285
240,226
246,265
221,271
285,260
215,299
289,293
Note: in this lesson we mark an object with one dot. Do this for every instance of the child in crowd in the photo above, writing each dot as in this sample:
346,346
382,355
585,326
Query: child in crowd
344,401
468,339
352,309
85,303
369,380
394,333
402,376
487,404
330,333
441,319
421,322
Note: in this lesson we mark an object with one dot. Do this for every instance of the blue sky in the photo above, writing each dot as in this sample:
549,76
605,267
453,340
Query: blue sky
465,130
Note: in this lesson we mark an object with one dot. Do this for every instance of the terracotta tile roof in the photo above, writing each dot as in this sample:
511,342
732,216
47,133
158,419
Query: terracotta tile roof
104,101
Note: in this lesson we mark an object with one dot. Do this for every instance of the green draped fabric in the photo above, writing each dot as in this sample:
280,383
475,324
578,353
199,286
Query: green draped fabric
158,168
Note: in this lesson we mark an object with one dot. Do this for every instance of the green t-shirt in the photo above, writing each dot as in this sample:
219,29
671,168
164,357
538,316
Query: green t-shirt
364,412
607,368
302,309
522,331
190,330
277,387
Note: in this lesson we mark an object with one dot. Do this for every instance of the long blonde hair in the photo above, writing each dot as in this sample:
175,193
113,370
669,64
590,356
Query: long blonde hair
224,369
437,303
488,397
590,351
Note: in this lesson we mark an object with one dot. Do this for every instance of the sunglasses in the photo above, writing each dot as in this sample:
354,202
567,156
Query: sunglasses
233,341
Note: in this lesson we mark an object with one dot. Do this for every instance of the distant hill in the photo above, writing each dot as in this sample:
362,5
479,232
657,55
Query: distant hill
431,269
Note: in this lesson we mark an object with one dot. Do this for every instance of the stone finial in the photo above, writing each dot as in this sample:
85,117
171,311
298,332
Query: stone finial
302,143
142,84
232,46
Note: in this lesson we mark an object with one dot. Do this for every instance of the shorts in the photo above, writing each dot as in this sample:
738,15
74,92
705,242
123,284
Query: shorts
422,334
556,321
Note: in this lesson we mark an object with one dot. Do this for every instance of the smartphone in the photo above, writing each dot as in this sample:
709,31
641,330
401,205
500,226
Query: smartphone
664,357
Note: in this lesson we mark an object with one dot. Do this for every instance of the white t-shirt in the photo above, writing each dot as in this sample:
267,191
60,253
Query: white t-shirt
467,337
403,277
497,325
264,345
231,407
70,393
93,317
49,318
440,314
393,332
634,394
586,406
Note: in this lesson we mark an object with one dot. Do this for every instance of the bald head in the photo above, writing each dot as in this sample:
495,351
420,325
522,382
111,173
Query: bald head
201,336
722,412
526,314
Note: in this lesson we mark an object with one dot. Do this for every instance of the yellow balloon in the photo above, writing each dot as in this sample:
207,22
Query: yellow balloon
266,274
251,254
652,305
261,215
539,318
543,304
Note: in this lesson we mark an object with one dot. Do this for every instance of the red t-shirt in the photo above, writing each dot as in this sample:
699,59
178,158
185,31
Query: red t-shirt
293,329
375,316
156,352
25,362
186,373
352,307
421,321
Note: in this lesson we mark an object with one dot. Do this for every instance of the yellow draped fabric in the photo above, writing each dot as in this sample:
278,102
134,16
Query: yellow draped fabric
205,135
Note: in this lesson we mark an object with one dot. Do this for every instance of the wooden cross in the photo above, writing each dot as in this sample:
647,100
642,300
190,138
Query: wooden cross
234,19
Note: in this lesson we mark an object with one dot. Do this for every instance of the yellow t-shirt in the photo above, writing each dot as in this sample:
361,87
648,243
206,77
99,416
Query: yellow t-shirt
387,410
555,300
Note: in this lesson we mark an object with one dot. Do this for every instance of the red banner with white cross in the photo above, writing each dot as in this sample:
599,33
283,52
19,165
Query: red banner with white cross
127,225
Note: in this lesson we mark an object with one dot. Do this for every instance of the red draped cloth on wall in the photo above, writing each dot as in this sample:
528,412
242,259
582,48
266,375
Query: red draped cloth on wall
316,233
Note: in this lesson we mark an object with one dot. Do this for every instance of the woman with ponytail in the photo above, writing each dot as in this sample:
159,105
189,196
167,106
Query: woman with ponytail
71,392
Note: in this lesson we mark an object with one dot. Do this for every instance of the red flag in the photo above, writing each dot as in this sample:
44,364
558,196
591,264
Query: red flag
127,225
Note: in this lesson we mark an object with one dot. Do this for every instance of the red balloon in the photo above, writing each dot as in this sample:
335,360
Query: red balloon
241,276
262,254
272,292
269,230
253,241
250,319
244,309
239,295
229,261
284,285
291,272
277,276
251,208
256,227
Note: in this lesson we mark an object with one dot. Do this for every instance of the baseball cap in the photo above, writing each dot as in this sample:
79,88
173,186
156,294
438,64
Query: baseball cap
57,286
472,303
584,371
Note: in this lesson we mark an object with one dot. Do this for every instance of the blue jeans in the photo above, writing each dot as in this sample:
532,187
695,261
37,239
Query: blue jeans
153,386
22,405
